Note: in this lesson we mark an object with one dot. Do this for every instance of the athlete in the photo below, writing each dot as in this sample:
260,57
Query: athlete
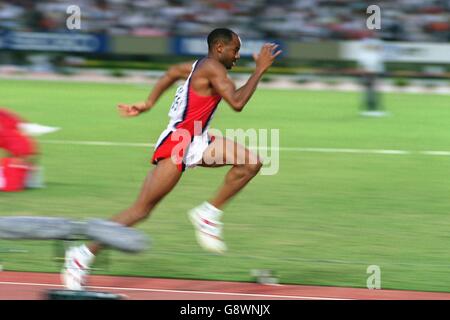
186,143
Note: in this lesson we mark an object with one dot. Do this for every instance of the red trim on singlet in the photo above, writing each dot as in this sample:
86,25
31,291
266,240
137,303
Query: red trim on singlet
199,108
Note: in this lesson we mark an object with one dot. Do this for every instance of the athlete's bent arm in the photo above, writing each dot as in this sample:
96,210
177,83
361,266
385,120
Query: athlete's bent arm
237,99
173,74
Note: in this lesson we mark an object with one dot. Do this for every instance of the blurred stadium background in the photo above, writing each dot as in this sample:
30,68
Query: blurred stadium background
351,191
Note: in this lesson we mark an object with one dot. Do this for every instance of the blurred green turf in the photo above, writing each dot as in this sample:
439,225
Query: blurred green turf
322,220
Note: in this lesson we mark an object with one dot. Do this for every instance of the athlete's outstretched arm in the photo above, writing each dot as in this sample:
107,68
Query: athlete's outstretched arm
237,99
173,74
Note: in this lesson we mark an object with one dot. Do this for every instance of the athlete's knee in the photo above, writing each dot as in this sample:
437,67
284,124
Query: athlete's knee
252,169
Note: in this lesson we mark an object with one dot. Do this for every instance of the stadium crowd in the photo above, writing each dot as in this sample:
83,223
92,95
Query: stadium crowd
306,20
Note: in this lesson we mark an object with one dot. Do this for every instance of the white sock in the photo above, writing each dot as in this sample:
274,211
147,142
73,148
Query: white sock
86,255
212,212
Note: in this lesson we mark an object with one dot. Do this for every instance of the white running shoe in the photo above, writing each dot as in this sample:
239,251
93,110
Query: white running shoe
76,267
208,228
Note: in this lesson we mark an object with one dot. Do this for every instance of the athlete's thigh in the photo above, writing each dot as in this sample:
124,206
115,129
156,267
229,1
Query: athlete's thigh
222,152
160,181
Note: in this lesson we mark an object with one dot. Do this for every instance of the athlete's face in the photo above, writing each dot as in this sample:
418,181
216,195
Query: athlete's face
229,52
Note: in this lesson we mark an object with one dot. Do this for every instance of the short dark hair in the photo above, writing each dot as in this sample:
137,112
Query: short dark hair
220,34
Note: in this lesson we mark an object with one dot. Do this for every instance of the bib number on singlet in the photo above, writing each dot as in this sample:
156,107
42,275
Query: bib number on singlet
177,101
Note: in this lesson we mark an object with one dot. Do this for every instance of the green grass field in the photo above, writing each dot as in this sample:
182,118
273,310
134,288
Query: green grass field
322,220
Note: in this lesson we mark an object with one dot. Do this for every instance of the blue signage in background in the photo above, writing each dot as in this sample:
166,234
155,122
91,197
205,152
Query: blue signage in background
196,46
2,37
43,41
189,46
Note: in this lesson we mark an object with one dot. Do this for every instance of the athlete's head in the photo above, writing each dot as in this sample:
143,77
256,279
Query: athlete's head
224,44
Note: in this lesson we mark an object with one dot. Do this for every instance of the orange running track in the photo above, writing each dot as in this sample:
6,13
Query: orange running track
33,286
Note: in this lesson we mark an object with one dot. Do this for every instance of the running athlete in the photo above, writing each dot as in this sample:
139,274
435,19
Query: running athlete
186,143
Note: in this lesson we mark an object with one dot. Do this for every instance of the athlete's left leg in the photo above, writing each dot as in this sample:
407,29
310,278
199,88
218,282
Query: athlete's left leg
245,165
206,217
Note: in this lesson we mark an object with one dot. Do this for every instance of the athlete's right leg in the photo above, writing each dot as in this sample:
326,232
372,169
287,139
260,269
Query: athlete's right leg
157,185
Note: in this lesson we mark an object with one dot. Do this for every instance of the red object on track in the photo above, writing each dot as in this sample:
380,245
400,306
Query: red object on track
13,173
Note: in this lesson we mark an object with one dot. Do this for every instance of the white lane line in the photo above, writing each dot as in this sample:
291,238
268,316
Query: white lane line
292,149
341,150
98,143
436,153
180,291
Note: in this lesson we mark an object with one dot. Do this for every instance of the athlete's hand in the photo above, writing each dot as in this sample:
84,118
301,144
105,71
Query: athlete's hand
132,110
266,56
